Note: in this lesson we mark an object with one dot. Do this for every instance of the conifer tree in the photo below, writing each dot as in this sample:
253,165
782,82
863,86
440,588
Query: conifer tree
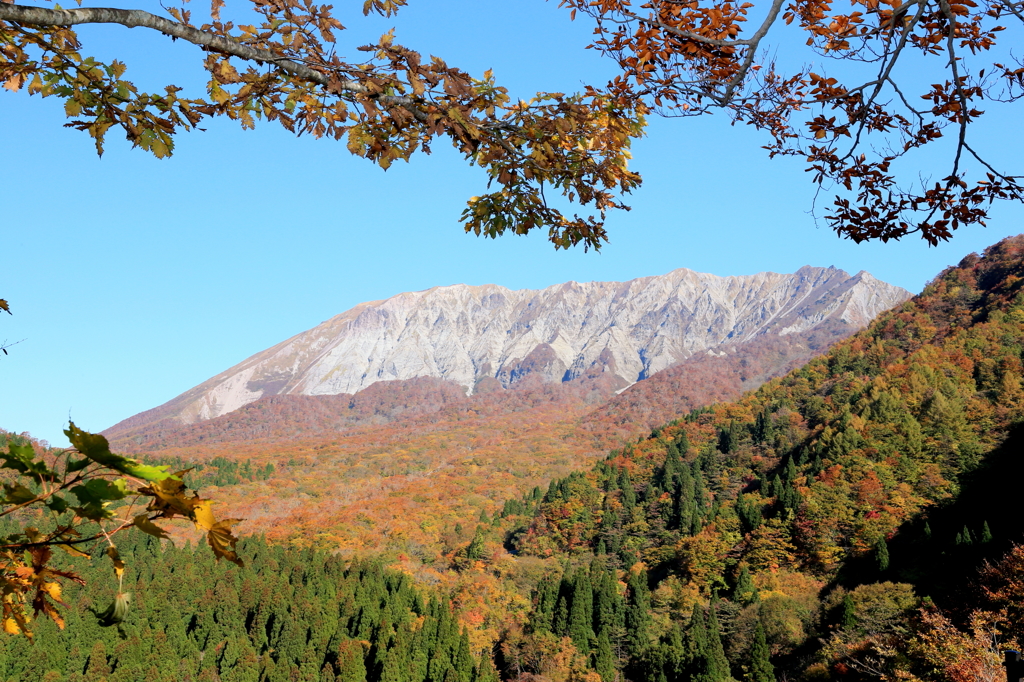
761,669
485,671
745,592
849,615
393,669
749,513
604,661
986,533
718,664
463,660
581,618
682,442
882,555
475,550
638,613
697,644
98,667
350,663
628,492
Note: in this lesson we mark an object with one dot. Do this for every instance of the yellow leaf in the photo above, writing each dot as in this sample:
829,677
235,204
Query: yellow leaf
36,85
73,551
219,94
52,589
116,558
53,614
11,627
143,523
202,516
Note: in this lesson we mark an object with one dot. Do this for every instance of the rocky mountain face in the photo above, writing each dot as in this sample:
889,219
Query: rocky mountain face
486,337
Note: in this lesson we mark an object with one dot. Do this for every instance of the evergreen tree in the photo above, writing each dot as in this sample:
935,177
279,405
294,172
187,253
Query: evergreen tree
350,662
628,492
697,645
882,555
682,442
762,431
475,550
986,534
761,669
98,667
581,617
485,671
749,513
604,661
849,614
560,622
638,613
745,592
393,669
718,664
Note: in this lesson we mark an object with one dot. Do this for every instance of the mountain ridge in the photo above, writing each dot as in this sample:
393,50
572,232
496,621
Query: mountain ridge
625,331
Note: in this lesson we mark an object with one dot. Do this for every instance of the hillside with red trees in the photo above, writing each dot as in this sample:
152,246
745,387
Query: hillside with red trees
401,464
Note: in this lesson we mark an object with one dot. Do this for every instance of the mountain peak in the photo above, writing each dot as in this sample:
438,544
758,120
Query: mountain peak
625,331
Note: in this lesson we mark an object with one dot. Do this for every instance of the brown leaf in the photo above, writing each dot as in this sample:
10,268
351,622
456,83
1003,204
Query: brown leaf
223,542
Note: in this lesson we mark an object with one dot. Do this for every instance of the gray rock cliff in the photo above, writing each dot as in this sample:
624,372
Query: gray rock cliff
466,333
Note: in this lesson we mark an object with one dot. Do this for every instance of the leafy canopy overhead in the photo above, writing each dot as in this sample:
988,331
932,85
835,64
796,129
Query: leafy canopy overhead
915,73
911,73
387,106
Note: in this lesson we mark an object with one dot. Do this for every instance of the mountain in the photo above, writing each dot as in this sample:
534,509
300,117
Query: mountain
847,520
610,334
856,519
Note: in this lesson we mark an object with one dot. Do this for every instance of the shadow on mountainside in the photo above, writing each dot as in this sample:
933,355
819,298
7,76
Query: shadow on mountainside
941,552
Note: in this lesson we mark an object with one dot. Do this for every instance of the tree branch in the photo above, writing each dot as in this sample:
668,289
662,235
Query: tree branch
133,18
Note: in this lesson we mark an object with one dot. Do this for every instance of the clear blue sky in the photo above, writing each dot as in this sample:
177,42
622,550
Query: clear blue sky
134,279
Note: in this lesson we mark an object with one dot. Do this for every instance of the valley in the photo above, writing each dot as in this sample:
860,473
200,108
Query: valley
759,513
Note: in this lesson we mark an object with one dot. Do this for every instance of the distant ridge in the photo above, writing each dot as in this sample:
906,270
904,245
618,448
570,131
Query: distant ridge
478,337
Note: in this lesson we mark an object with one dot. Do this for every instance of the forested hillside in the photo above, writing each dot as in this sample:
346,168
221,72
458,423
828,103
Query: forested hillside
286,616
855,519
399,465
823,524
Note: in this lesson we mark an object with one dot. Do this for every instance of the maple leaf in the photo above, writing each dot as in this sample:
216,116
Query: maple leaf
96,448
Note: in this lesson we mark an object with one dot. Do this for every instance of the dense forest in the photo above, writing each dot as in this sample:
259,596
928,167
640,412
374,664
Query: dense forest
398,466
836,516
854,519
288,615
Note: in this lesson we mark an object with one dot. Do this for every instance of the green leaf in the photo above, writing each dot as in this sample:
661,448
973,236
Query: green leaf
101,490
96,448
78,465
58,504
16,493
96,494
22,459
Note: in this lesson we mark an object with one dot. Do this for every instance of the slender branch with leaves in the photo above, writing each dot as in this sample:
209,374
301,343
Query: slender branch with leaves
89,495
692,57
285,68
